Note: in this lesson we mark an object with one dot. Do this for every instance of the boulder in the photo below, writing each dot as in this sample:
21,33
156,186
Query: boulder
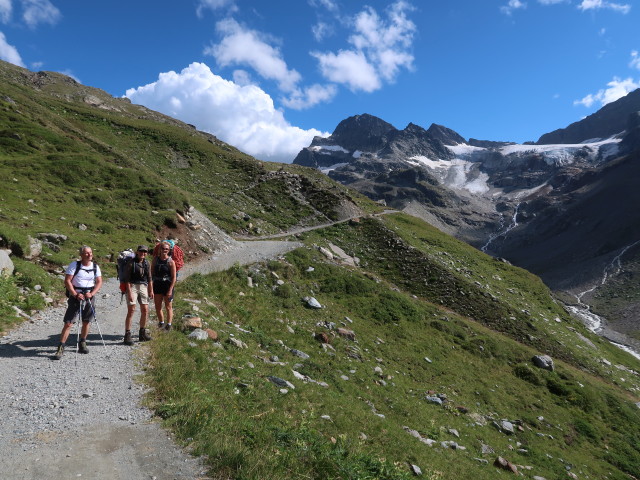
6,265
212,334
543,361
192,322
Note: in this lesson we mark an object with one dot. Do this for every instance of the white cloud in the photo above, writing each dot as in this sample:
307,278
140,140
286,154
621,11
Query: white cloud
551,2
40,11
381,47
241,46
321,30
617,88
5,10
511,6
9,53
349,68
598,4
310,96
243,116
215,5
635,60
328,4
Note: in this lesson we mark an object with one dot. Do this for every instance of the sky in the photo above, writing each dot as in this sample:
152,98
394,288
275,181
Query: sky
268,76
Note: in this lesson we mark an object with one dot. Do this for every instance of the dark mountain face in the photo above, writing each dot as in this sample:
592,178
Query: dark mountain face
609,120
563,210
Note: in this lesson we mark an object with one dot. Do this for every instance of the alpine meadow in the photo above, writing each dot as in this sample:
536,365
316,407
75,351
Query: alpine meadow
379,348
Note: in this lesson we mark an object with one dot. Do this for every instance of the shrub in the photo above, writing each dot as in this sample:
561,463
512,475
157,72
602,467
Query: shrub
526,373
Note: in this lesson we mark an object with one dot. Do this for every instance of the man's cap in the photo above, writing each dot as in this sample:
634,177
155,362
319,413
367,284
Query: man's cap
142,248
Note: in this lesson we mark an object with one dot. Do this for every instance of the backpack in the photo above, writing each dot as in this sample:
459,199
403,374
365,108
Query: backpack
78,267
176,254
122,270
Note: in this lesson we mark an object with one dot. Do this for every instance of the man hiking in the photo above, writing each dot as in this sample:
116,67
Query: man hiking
82,280
138,289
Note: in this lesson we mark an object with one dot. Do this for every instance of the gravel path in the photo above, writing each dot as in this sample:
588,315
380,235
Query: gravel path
81,417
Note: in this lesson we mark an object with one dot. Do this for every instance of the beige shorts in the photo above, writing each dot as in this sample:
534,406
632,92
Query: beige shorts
140,294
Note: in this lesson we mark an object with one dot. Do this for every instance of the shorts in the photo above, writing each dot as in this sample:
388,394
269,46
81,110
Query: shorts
161,287
73,310
140,293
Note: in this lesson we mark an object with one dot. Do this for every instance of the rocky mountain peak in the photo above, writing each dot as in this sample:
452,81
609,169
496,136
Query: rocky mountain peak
361,132
445,135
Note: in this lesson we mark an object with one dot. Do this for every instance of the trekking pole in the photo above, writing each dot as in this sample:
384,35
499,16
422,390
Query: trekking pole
95,318
78,330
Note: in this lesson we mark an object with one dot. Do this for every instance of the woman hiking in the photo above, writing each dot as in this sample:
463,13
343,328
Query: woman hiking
164,270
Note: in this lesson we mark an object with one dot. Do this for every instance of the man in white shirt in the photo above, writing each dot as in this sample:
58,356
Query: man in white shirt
82,280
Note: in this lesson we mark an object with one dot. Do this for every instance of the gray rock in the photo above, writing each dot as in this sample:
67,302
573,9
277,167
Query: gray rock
543,361
6,265
416,470
199,334
299,353
312,302
507,427
34,249
434,400
280,382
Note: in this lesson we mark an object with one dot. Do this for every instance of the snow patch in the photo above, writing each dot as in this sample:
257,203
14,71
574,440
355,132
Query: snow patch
328,149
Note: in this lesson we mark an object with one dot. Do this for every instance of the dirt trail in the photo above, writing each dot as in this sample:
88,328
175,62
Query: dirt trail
82,417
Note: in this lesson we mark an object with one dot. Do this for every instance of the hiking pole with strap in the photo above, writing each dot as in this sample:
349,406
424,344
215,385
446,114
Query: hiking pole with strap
95,318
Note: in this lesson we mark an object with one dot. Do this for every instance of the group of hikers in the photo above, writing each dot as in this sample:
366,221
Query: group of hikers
139,282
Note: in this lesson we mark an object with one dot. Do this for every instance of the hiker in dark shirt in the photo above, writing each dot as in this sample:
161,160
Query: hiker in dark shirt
82,280
163,270
139,289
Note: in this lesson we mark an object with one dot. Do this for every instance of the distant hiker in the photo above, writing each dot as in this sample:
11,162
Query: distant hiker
82,280
139,289
164,273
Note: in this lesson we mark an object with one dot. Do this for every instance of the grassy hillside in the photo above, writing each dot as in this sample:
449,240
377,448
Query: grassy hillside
406,341
101,171
421,354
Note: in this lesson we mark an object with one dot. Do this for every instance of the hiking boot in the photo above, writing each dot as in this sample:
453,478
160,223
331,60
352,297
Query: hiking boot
127,338
82,347
59,352
160,325
144,335
168,327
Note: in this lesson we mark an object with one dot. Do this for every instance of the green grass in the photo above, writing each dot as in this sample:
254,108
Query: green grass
221,400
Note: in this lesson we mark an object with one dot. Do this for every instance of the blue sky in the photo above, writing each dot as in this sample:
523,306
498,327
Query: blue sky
266,76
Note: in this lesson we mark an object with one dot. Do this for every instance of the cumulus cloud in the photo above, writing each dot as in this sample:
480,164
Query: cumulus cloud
39,11
243,116
380,48
599,4
321,30
616,88
242,46
9,53
5,10
509,8
215,5
635,60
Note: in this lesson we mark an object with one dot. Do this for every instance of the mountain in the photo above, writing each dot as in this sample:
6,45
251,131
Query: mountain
563,210
606,122
425,354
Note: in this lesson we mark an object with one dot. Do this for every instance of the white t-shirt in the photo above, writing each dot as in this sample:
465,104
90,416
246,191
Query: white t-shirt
84,278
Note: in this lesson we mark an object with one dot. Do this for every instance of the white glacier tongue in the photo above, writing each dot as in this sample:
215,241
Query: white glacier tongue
456,173
565,154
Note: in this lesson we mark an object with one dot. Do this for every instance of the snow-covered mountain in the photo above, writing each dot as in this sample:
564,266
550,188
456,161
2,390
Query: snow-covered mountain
562,207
